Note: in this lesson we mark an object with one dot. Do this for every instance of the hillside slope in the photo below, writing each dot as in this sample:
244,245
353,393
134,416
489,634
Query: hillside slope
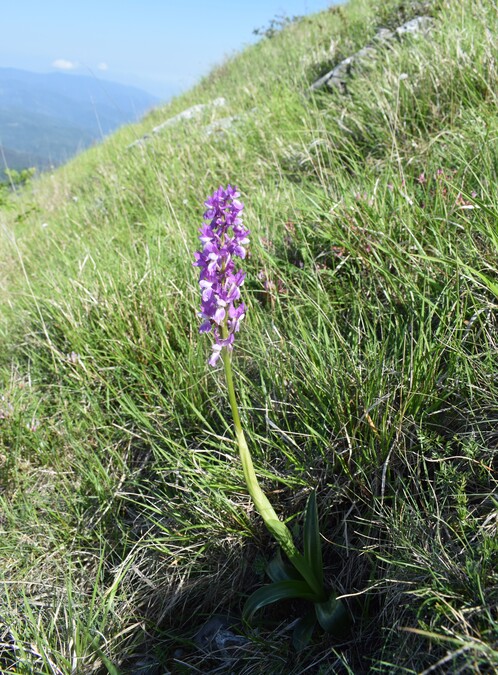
365,368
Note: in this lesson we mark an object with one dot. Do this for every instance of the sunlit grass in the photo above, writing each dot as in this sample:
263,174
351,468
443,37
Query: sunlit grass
366,368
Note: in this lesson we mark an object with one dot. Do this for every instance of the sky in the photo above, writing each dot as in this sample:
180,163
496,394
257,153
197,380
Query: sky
161,46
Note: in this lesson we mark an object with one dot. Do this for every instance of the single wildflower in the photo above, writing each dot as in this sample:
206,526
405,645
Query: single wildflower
338,251
223,238
33,425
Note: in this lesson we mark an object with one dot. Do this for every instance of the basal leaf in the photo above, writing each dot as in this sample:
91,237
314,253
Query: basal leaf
280,590
280,570
303,631
332,615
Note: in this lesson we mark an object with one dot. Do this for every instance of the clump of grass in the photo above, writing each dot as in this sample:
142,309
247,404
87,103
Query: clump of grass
369,374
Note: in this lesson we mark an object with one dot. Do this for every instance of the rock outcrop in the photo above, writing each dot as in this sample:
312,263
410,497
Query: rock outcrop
188,114
336,78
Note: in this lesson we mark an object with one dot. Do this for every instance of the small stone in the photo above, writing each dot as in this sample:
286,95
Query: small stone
419,25
216,635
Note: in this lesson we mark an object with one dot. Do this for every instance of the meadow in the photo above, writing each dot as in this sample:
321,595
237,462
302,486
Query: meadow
365,369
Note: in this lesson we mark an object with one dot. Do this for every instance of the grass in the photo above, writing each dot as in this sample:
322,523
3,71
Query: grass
366,368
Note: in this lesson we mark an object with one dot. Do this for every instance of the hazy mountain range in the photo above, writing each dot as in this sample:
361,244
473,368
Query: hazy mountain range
47,118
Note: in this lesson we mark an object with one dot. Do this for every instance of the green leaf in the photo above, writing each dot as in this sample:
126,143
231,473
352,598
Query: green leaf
303,631
484,279
332,615
312,542
279,570
280,590
111,668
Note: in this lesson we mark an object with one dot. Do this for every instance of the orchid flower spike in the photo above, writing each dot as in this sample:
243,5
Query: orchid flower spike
223,238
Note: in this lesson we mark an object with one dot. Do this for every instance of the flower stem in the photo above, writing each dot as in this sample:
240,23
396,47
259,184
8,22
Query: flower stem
278,529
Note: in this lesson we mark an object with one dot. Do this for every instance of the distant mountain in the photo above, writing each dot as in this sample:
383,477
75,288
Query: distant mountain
47,118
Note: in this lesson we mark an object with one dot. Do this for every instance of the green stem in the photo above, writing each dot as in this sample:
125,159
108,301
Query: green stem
278,529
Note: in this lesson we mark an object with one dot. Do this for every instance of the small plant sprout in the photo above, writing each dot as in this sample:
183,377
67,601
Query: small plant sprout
224,238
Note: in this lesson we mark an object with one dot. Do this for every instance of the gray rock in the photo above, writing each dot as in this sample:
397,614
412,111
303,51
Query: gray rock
421,25
221,125
337,77
383,35
188,114
216,635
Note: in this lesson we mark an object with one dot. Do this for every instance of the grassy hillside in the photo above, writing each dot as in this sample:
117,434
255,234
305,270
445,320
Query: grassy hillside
365,368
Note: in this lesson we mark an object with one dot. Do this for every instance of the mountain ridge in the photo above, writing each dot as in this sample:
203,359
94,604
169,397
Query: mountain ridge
49,117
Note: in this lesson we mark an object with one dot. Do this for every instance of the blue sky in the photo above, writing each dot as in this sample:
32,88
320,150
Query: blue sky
163,46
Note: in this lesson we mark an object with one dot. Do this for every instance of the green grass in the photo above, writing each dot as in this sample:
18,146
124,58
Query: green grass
366,367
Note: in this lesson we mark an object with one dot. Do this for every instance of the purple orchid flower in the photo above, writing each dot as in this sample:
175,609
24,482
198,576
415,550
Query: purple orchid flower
223,238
